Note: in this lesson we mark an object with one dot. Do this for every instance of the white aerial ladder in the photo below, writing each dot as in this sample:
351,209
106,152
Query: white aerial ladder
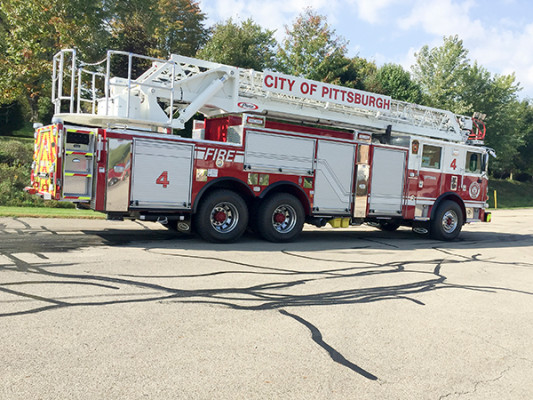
170,92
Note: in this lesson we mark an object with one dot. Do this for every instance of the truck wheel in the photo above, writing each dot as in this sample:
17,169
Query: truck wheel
447,221
280,218
221,217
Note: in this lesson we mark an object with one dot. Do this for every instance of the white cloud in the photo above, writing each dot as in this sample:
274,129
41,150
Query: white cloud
371,10
443,18
505,52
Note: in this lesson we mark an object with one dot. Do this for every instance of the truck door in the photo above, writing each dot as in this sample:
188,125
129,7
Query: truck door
474,178
387,181
334,177
78,164
429,176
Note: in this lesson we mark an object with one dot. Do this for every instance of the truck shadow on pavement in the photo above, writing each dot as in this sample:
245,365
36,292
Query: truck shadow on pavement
282,285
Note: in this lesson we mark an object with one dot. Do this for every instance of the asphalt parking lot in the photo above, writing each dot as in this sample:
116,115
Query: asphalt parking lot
92,309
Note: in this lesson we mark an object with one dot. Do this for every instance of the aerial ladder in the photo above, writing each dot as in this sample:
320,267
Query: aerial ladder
171,92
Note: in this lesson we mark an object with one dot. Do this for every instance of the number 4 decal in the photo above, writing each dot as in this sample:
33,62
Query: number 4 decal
454,164
163,179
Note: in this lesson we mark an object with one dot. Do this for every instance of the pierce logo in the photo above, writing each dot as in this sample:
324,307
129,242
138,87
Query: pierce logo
247,106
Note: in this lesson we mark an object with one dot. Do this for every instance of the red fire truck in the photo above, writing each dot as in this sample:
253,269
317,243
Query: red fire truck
272,151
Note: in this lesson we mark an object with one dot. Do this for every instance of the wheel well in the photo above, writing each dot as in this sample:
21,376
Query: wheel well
449,196
291,188
232,184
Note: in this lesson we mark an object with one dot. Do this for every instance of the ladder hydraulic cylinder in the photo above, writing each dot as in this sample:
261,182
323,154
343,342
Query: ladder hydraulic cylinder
204,97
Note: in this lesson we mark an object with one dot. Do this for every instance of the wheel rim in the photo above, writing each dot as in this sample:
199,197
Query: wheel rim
449,221
284,218
224,217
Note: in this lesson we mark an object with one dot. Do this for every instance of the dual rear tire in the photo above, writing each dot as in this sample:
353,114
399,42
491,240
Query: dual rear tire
280,218
223,217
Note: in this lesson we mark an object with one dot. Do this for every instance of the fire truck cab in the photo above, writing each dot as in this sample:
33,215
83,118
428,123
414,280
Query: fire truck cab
271,153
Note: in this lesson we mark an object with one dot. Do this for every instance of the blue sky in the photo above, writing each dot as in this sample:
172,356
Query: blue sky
498,34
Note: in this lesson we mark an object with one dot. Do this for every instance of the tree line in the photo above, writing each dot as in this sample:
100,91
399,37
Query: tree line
31,32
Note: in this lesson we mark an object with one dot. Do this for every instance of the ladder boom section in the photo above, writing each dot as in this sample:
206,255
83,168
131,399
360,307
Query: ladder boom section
167,93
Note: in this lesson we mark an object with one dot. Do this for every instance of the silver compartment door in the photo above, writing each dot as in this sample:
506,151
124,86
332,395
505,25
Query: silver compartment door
334,177
277,153
162,174
387,182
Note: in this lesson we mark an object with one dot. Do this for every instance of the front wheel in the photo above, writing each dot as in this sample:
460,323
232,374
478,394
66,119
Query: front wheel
447,221
221,217
280,218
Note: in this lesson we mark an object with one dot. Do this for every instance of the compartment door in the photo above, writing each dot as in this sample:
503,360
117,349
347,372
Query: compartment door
162,174
334,177
278,153
78,164
387,181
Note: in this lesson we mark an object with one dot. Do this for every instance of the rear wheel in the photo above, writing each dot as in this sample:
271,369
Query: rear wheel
221,217
447,221
280,218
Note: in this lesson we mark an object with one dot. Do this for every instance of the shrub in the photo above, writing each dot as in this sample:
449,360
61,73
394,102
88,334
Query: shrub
15,169
14,152
13,179
16,158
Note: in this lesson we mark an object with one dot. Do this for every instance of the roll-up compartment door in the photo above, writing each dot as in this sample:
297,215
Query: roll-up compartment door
387,181
276,153
334,177
162,174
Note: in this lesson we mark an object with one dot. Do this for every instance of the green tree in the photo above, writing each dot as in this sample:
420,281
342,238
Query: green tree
179,27
393,80
156,27
312,49
361,75
131,35
524,159
449,81
441,71
244,45
499,101
31,32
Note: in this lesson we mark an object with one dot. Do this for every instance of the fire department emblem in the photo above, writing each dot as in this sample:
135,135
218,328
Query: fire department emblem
414,147
474,190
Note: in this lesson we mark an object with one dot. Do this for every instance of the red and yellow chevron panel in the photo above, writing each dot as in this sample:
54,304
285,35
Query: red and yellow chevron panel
45,161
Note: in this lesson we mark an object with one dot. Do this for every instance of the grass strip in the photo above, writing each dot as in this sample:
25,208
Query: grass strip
47,212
